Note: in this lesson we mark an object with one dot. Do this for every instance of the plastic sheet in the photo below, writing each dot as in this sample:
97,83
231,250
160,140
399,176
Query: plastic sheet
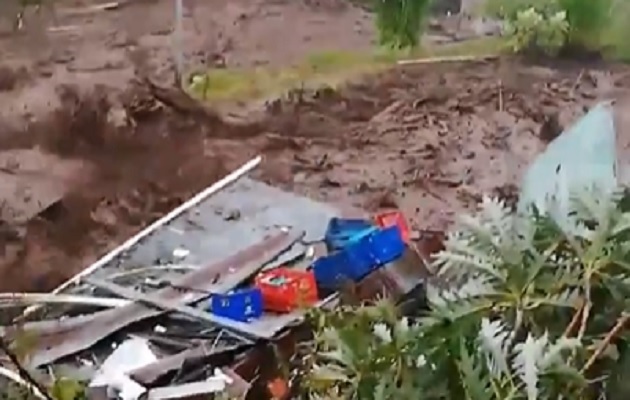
582,157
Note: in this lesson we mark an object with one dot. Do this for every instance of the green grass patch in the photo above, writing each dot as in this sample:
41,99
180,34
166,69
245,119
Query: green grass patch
322,68
615,38
255,83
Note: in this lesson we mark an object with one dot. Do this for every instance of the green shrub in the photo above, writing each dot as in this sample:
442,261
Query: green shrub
533,31
400,23
588,20
615,38
508,9
538,315
583,24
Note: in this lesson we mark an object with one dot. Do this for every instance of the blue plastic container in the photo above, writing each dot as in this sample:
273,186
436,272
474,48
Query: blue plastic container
342,232
242,305
330,271
360,258
384,246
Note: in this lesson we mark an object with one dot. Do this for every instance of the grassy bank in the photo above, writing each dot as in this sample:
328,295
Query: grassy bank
323,68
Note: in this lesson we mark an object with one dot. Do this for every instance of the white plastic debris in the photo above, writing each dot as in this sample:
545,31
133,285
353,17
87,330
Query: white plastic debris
181,253
159,329
215,384
131,354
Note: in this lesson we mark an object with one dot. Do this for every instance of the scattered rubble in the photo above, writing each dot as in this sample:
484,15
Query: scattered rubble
175,320
190,307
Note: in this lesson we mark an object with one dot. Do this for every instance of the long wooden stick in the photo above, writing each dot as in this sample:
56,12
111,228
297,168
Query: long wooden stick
621,323
22,299
444,59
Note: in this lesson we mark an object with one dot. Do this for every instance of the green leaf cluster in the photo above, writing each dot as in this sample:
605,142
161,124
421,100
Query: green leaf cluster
532,311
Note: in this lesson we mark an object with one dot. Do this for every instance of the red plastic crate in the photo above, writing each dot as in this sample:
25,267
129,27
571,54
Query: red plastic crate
390,218
284,290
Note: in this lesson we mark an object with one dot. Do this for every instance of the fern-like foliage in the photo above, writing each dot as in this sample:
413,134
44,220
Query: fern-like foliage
530,313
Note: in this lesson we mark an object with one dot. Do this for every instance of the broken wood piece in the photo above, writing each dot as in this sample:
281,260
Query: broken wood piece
62,29
444,59
69,337
180,101
190,203
23,299
76,11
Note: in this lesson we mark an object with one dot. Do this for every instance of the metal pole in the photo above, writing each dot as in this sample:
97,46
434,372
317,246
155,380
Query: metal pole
178,41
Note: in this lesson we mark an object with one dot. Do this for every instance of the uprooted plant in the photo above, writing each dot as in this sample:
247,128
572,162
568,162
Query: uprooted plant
534,309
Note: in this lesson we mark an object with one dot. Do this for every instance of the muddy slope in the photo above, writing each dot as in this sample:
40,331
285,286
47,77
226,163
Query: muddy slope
430,139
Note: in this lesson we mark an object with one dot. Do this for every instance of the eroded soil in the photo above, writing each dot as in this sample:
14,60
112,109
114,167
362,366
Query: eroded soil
136,163
430,139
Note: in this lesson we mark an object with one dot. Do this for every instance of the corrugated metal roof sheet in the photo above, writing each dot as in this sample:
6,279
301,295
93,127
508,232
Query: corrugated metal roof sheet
232,220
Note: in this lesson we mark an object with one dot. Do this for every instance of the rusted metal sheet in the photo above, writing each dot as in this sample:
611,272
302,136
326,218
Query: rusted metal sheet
53,344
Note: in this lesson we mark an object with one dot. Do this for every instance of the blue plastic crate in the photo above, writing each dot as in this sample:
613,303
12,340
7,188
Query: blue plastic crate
359,258
330,271
385,245
242,305
342,232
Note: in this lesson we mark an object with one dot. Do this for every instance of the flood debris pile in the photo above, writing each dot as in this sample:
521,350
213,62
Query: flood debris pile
211,298
193,304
